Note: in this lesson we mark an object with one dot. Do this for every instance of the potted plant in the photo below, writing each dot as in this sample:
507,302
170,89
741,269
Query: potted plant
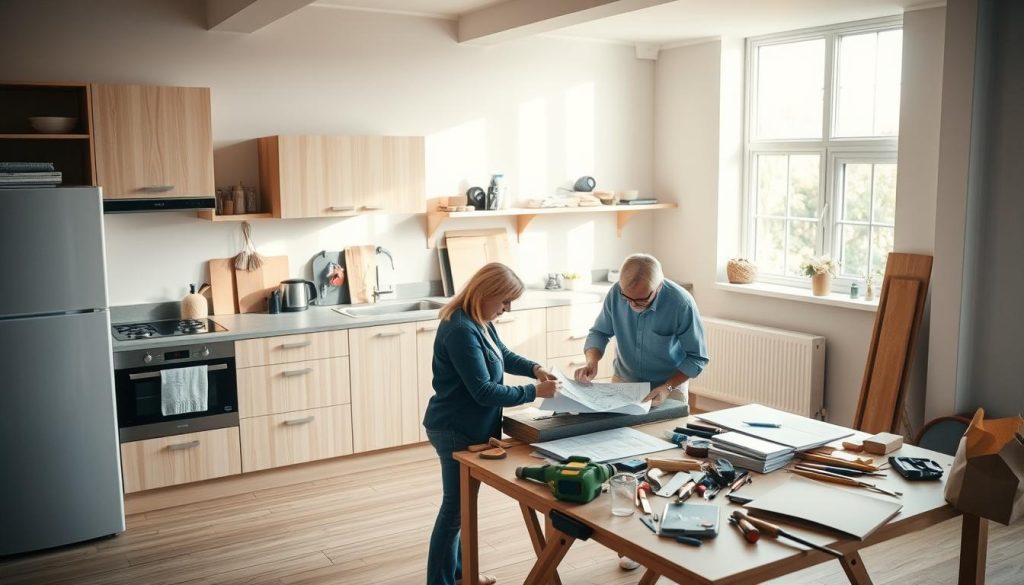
570,280
870,281
821,270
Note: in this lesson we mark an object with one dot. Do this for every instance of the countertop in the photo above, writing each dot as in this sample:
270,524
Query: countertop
251,325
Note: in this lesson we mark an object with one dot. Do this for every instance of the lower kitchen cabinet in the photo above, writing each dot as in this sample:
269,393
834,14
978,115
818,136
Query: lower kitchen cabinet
385,395
296,437
426,332
264,390
166,461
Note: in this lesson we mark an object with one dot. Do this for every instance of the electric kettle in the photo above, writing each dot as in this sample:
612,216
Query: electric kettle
296,294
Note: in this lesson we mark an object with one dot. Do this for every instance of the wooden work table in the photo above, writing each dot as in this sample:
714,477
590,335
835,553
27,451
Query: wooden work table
726,559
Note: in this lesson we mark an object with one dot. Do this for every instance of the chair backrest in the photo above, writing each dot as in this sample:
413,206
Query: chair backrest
900,309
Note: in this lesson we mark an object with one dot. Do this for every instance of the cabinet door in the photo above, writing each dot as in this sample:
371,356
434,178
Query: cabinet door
426,331
524,333
388,173
153,141
385,401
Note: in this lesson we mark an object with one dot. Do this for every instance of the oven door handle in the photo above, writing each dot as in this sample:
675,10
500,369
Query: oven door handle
147,375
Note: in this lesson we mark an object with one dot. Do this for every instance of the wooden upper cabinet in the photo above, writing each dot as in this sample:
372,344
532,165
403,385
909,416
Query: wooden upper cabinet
326,176
153,141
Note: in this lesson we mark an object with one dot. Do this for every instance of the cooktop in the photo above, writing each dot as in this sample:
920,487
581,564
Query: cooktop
165,328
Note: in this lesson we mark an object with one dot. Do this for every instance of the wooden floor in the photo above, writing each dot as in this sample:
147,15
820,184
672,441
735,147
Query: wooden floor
373,527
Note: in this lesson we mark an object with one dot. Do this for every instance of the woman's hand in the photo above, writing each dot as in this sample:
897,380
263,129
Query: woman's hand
541,374
587,372
658,395
547,389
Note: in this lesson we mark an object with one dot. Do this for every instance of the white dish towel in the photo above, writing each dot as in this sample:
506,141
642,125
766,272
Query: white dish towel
183,390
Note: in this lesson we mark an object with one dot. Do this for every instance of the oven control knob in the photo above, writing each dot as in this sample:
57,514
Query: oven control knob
148,358
206,352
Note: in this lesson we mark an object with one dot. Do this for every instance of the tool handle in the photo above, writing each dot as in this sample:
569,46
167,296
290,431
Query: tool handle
761,525
825,476
675,464
750,533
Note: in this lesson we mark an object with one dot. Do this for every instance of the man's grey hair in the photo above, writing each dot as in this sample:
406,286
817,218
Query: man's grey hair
640,268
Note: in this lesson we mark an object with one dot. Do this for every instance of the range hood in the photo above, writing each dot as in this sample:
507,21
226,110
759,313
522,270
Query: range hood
157,204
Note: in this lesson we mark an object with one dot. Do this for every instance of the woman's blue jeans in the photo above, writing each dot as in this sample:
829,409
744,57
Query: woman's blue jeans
444,561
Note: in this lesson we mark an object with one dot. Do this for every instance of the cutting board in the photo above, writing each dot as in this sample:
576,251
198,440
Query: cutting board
253,287
222,286
471,250
361,273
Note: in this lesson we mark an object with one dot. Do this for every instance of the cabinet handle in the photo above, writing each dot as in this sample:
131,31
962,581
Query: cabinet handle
296,345
341,208
575,337
389,333
293,373
183,446
299,421
157,188
575,363
506,320
428,328
371,208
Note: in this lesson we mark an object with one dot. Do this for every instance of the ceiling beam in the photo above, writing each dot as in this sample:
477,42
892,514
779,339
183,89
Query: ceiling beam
247,16
516,19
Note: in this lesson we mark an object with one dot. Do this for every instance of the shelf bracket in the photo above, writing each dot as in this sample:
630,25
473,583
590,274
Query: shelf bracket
521,222
434,221
622,218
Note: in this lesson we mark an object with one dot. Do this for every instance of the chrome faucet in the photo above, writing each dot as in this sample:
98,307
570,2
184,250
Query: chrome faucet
379,291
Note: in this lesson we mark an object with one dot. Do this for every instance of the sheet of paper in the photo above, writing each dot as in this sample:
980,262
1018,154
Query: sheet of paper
605,445
622,398
799,432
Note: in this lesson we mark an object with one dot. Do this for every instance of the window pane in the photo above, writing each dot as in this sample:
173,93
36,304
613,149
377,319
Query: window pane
856,192
881,245
804,173
771,237
854,261
885,194
771,185
868,84
790,89
802,235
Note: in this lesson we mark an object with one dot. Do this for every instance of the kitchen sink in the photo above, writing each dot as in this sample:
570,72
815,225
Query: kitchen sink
392,308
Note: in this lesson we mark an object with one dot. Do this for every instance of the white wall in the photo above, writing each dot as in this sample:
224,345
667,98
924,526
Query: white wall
698,145
542,111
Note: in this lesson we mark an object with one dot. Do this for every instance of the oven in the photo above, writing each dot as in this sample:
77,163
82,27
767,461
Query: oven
137,384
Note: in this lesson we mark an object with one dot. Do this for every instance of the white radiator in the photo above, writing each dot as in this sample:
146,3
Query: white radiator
776,368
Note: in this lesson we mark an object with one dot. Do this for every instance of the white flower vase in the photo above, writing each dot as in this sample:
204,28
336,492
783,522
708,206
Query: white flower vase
821,284
569,284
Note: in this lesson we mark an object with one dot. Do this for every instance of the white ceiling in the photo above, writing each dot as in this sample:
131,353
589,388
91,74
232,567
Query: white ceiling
679,21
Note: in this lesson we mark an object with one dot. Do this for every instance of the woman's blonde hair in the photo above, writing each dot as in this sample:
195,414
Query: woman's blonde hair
494,280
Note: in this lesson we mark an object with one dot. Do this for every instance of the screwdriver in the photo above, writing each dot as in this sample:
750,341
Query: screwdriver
750,533
773,530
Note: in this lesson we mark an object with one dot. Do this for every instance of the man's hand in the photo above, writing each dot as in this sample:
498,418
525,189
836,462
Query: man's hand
547,389
658,395
541,374
587,372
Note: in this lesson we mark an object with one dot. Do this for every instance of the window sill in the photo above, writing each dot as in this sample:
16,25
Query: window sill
798,294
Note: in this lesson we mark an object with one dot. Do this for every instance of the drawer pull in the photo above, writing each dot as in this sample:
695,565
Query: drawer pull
299,421
296,345
157,188
183,446
428,328
575,363
389,333
293,373
506,320
576,337
371,208
341,208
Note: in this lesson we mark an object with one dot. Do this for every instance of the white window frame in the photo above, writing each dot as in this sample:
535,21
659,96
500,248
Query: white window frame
831,149
837,158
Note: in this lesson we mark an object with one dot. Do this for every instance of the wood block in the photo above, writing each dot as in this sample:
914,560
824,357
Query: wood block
855,446
496,453
883,443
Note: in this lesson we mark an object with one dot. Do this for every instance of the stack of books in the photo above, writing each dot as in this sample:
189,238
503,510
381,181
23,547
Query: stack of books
646,201
750,452
29,174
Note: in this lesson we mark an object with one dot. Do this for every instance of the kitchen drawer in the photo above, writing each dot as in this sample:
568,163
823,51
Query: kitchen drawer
281,388
296,437
267,351
166,461
569,364
566,343
577,318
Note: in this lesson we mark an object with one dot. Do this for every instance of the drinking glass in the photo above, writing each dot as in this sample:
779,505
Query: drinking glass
623,491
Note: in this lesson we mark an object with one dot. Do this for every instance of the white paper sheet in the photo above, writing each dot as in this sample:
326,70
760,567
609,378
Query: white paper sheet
605,445
621,398
799,432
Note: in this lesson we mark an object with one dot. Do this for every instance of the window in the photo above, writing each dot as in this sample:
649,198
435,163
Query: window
822,125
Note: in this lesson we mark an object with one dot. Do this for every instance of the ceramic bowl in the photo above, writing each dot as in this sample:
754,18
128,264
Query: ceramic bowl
628,195
52,124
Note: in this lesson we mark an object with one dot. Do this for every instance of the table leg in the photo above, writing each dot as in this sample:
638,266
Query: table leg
973,550
853,565
649,578
470,487
536,536
557,546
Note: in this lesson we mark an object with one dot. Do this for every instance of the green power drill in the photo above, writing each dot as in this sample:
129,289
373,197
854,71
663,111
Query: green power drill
578,480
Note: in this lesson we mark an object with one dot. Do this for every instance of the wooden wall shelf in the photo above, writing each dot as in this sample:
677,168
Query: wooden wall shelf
524,216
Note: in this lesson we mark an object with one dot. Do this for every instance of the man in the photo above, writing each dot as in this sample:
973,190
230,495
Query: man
658,329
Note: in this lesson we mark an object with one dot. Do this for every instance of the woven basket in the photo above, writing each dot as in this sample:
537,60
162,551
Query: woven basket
740,271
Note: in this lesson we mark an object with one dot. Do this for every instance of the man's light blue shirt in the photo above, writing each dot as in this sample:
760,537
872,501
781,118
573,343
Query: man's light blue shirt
665,338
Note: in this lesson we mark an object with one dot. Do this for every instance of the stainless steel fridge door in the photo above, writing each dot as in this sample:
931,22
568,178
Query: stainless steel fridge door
58,434
51,248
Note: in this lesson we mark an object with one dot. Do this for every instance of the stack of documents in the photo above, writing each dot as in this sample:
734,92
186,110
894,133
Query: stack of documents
604,446
750,452
618,398
792,430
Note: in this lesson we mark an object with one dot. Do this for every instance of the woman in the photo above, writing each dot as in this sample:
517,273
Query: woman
469,366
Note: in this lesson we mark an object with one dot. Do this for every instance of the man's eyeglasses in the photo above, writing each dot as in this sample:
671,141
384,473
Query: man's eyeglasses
642,301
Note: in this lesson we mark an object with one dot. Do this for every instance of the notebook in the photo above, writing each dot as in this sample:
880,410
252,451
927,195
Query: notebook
747,462
686,519
838,508
799,432
751,446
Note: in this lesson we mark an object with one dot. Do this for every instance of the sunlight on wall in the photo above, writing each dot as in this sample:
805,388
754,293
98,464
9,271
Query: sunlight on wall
534,257
533,150
579,130
580,250
456,157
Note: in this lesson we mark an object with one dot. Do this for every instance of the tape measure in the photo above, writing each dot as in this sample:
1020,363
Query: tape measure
698,447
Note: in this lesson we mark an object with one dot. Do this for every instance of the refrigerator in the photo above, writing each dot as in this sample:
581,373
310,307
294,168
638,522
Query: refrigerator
61,475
